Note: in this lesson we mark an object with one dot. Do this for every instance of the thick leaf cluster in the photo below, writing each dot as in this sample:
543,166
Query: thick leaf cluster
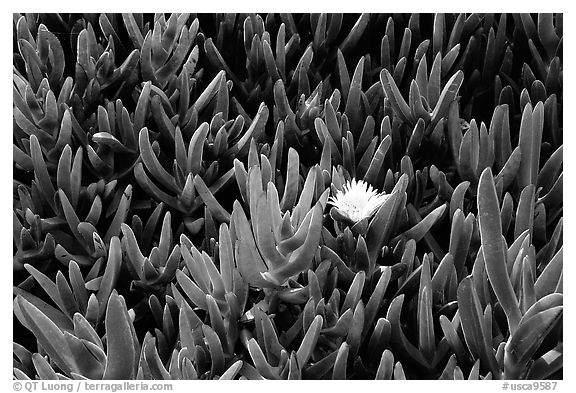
171,184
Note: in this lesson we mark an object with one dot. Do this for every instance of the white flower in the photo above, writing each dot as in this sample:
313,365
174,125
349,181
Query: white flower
357,200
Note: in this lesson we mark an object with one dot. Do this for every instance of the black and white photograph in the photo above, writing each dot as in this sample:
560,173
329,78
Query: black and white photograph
286,196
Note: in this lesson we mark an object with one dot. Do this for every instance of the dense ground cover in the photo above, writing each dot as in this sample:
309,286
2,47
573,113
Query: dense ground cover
287,196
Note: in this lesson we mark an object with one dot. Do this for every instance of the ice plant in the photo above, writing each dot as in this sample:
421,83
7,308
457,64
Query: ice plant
171,174
357,200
